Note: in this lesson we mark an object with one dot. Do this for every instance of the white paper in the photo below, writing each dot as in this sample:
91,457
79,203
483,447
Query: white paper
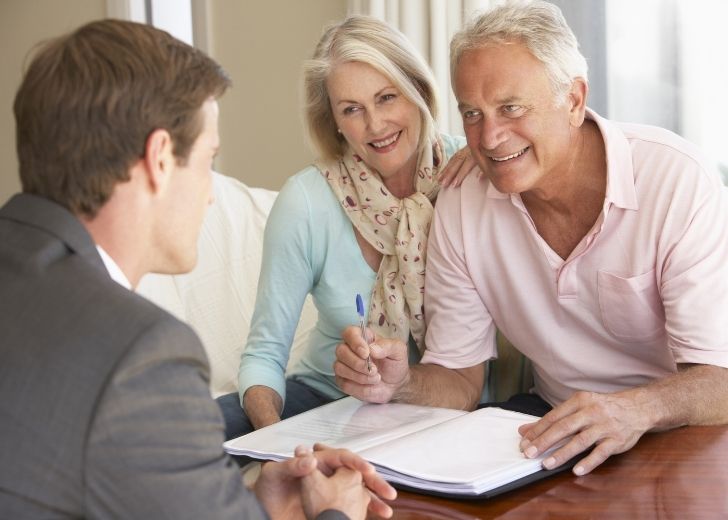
423,447
477,452
346,423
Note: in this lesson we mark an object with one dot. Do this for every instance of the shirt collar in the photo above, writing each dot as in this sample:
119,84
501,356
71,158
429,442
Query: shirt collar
113,268
620,172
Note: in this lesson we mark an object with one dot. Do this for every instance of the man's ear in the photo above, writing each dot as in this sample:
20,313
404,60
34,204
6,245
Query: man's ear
159,158
577,101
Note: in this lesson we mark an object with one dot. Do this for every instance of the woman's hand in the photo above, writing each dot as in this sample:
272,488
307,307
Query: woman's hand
458,167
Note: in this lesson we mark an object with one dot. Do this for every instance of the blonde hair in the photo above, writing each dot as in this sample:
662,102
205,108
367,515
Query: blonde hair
539,26
366,40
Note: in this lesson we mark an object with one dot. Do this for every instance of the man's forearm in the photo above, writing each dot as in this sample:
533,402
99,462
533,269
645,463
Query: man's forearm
262,405
434,385
696,395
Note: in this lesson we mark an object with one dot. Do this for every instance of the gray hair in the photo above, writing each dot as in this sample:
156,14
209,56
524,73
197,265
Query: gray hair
538,25
367,40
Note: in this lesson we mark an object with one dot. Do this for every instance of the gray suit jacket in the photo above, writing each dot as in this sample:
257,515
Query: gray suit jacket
104,405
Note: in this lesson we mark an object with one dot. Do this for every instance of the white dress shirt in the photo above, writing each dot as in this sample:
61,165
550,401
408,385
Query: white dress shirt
114,270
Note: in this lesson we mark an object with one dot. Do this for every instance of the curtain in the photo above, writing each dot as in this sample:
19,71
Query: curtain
429,25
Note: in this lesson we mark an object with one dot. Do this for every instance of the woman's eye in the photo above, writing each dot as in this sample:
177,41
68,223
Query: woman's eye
350,110
388,97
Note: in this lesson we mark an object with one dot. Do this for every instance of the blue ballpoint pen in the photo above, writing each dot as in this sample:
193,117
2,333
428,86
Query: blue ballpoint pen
360,312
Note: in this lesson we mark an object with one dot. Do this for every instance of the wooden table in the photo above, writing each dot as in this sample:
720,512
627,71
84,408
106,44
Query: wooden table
679,474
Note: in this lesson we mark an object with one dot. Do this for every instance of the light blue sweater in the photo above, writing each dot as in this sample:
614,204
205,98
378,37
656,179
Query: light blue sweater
309,247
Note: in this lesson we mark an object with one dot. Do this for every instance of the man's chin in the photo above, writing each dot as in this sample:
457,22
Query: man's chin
511,183
507,187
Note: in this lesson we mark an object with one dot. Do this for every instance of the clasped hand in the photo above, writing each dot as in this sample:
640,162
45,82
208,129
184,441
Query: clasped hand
320,479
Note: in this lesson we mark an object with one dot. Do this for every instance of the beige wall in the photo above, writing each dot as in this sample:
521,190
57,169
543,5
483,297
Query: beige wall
262,46
22,24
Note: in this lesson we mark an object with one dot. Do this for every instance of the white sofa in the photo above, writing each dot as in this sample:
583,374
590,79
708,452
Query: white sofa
218,296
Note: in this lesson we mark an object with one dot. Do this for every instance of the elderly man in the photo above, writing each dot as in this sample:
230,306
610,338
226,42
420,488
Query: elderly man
599,249
104,403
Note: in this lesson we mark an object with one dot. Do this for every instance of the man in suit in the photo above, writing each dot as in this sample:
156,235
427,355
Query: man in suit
104,404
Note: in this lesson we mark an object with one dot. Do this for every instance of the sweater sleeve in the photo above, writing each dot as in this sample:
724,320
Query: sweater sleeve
286,278
451,144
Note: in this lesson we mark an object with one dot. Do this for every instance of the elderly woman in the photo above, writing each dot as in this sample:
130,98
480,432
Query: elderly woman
354,223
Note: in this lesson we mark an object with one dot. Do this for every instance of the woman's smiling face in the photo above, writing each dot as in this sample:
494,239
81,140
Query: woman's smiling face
380,124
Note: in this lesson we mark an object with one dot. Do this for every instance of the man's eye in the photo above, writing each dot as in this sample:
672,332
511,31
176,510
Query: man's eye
471,116
512,109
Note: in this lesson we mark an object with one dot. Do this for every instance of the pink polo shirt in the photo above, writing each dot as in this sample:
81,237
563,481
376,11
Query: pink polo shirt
645,289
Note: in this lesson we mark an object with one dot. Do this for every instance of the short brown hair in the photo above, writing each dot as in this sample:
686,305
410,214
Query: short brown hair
90,99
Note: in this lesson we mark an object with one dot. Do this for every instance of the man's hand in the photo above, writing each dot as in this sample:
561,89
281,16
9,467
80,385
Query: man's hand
612,423
281,485
342,491
344,467
389,367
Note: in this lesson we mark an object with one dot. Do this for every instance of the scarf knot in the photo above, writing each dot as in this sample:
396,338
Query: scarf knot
397,228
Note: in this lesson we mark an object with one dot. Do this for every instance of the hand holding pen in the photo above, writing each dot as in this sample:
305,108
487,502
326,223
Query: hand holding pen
360,312
389,365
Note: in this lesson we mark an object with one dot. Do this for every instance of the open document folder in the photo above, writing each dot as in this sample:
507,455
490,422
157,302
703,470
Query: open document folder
436,450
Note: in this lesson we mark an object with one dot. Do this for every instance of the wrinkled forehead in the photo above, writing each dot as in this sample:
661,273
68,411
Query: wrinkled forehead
498,66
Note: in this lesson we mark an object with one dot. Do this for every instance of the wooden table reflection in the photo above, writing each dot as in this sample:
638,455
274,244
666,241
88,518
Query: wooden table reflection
679,474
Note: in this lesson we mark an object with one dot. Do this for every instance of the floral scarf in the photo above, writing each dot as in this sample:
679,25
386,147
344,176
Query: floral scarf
398,229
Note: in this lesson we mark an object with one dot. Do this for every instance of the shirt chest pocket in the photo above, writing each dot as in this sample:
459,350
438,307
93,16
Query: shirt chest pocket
631,307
